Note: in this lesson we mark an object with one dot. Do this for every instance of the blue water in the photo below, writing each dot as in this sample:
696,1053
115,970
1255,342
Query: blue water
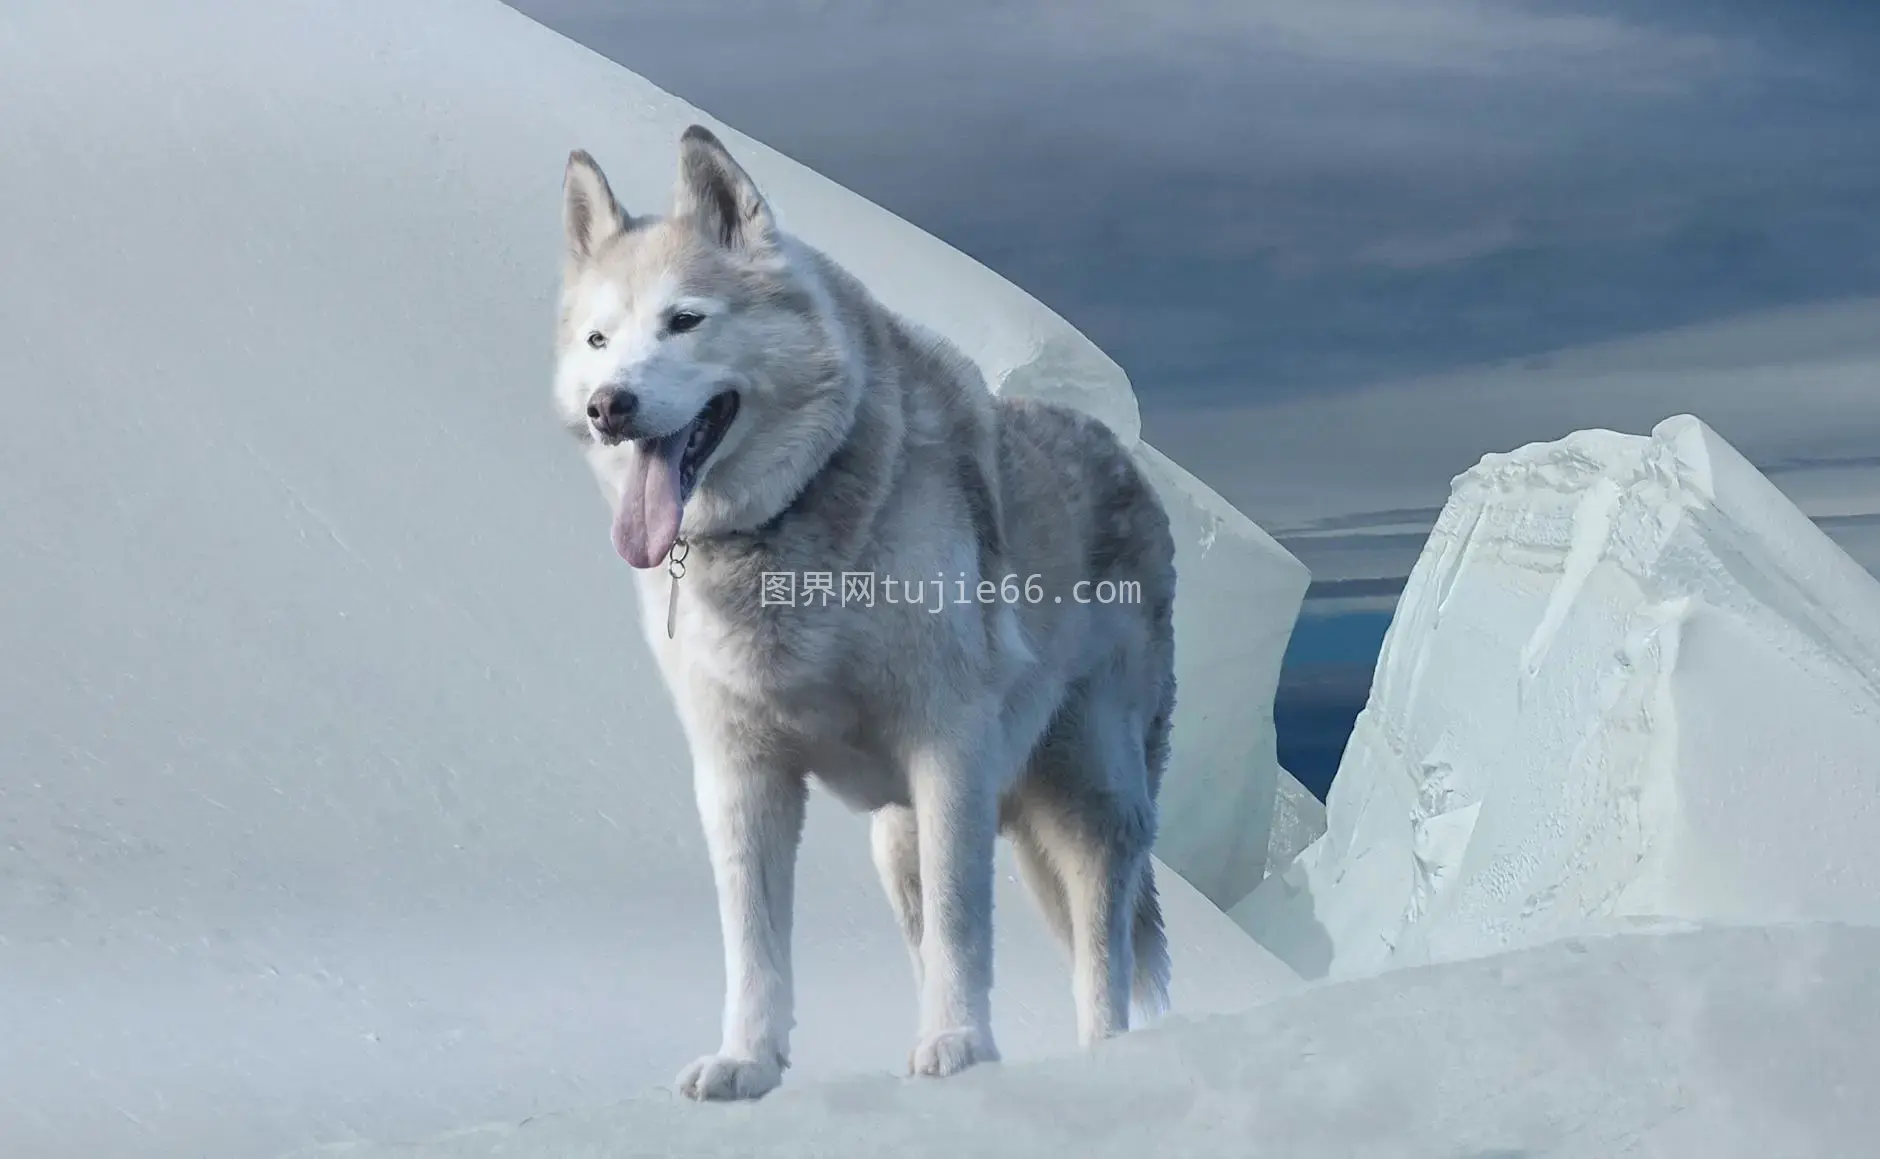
1324,680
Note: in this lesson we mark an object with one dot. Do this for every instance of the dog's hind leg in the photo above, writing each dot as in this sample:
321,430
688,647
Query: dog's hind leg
1083,832
1041,877
895,841
1100,878
1148,941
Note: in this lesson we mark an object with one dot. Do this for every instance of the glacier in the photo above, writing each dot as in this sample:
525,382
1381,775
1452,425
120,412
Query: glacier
1627,678
325,808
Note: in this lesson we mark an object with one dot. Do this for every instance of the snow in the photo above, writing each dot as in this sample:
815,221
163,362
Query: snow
325,808
1627,677
1714,1043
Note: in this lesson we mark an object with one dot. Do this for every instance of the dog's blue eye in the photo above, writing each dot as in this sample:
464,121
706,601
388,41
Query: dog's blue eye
596,339
684,320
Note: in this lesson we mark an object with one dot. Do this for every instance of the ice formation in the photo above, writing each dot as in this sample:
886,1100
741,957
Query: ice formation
1239,593
324,717
1627,677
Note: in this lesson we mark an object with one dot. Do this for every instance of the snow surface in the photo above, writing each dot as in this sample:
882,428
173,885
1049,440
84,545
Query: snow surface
1717,1044
1627,677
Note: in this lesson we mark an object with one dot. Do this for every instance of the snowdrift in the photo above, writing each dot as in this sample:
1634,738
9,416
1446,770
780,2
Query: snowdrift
1727,1044
1627,677
325,802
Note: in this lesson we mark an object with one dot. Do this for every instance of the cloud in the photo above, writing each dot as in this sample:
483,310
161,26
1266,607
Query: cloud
1351,481
1504,39
1277,198
1477,38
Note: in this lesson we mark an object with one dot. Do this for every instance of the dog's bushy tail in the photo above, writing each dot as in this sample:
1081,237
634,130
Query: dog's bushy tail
1149,941
1148,937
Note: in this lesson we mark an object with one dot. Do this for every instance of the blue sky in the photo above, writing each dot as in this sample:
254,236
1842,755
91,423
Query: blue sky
1343,249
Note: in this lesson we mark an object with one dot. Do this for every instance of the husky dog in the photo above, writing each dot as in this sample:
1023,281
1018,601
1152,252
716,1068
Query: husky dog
756,418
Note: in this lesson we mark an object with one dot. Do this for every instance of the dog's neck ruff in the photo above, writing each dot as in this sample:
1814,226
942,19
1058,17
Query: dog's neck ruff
675,558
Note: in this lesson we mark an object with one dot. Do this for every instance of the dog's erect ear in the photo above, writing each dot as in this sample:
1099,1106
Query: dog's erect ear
589,213
720,196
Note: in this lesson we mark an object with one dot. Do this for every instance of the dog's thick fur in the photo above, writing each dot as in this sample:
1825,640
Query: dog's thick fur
1015,703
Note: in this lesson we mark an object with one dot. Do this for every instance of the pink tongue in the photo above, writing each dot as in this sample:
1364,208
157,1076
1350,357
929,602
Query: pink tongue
648,522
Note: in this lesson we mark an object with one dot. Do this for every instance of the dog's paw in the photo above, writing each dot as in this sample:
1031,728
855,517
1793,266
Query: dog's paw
951,1051
718,1077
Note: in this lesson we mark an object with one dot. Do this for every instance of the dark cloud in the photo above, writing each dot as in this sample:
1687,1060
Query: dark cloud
1263,203
1269,198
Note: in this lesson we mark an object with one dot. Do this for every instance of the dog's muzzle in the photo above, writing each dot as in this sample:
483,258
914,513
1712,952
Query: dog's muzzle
611,411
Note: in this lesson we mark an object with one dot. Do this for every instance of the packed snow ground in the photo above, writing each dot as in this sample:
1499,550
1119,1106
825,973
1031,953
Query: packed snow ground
1724,1044
1627,677
337,791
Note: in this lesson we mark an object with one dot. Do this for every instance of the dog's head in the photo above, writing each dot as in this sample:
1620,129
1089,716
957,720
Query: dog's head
698,352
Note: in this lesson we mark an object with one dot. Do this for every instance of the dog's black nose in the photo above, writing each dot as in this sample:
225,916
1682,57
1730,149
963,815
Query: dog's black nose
611,409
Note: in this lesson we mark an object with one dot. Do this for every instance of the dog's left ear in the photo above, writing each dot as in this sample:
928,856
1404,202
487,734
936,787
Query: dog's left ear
590,216
720,196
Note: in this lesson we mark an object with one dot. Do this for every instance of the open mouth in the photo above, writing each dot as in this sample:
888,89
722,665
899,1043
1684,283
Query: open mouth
695,441
660,479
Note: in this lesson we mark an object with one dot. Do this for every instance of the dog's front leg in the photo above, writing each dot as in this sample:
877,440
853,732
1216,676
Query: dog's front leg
954,788
753,817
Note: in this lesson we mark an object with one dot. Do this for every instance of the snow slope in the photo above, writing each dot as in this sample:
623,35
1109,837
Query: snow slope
1725,1044
1627,677
324,803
